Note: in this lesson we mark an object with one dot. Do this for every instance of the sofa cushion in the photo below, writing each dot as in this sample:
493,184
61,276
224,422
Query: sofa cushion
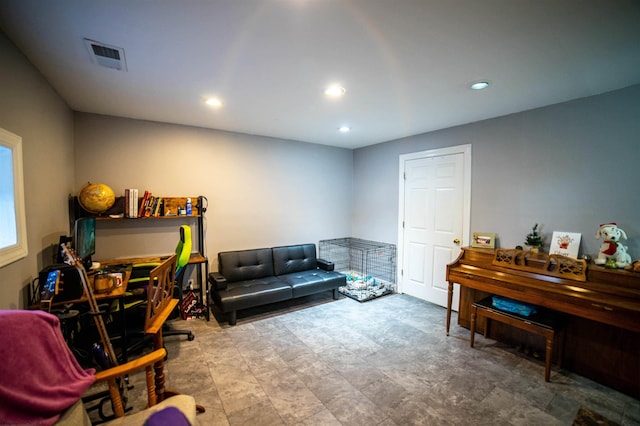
289,259
245,264
250,293
304,283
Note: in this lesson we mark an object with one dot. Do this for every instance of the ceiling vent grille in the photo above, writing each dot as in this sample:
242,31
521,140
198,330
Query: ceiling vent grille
106,56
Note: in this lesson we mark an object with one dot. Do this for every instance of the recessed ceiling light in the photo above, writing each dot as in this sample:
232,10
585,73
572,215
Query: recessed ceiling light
334,91
344,129
214,102
479,85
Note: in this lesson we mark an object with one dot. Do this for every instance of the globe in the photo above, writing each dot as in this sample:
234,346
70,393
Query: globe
96,198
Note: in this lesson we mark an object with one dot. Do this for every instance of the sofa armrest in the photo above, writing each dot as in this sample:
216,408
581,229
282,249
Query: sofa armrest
217,280
325,264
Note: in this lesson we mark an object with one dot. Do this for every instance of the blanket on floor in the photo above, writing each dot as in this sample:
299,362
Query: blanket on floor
40,376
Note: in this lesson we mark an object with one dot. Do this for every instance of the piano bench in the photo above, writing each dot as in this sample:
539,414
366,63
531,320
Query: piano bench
542,323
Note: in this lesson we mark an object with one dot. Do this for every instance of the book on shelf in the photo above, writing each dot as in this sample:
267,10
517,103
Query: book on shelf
144,203
149,207
134,203
153,207
157,207
130,202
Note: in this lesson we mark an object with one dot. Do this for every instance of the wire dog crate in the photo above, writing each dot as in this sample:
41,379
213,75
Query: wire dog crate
370,266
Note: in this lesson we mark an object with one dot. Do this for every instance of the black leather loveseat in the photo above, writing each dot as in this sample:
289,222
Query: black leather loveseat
249,278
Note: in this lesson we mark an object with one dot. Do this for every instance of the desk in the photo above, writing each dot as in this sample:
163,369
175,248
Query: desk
117,293
195,258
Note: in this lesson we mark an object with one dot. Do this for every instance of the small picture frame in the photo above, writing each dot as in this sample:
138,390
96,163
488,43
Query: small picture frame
484,240
565,243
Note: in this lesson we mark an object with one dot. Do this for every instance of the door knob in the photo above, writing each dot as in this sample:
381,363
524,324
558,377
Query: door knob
456,241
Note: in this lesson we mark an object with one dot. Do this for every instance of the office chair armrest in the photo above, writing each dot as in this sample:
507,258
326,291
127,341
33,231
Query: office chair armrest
325,264
217,280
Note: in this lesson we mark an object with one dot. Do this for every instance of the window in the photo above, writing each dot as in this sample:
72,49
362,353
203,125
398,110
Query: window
13,228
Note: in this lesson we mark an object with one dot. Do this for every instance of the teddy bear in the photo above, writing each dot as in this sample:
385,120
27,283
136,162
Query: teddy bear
633,266
612,253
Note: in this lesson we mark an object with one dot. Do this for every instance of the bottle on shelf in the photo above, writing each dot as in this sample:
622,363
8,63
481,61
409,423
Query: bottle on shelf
189,207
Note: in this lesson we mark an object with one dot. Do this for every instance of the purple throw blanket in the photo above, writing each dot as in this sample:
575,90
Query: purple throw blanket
39,376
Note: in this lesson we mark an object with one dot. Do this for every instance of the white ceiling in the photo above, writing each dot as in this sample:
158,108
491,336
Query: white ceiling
406,64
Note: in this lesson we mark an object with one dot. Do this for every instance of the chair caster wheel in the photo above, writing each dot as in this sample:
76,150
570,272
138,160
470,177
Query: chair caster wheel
190,337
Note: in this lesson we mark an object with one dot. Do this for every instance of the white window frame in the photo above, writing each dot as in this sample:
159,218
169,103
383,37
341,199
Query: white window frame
13,207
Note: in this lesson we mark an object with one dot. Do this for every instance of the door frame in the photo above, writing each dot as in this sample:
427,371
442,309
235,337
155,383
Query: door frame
466,219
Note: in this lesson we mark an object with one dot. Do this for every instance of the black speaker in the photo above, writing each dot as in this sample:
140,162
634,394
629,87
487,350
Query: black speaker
70,286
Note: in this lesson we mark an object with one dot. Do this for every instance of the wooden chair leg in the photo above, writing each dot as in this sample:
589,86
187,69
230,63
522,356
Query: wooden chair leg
152,398
116,401
161,392
159,368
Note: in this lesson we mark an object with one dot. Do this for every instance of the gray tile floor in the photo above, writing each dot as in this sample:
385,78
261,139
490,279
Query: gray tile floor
383,362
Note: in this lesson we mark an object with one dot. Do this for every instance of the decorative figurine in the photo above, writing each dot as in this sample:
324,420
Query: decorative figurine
612,253
633,266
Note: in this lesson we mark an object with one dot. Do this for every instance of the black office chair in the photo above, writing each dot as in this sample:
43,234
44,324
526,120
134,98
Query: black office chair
140,275
183,272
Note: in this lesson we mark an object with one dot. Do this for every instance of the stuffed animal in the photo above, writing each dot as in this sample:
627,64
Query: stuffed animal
634,266
612,253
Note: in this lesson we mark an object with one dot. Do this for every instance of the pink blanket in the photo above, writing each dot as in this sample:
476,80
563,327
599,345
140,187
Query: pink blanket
39,376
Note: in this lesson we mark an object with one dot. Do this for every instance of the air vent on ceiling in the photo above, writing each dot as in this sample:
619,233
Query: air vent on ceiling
105,55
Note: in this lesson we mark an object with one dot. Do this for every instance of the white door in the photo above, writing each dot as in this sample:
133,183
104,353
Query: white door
434,220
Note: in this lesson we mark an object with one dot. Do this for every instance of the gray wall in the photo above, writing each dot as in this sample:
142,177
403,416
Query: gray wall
32,110
569,167
262,191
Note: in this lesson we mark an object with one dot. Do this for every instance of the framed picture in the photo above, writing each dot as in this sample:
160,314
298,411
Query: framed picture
483,240
565,243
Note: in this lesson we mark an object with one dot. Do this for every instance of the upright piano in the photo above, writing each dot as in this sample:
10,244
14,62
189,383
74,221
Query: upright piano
601,306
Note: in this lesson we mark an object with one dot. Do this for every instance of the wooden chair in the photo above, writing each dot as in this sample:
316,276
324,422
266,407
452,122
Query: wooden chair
160,304
43,383
145,362
158,301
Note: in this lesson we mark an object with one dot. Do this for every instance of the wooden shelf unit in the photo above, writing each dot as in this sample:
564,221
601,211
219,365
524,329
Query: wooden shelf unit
169,204
199,208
